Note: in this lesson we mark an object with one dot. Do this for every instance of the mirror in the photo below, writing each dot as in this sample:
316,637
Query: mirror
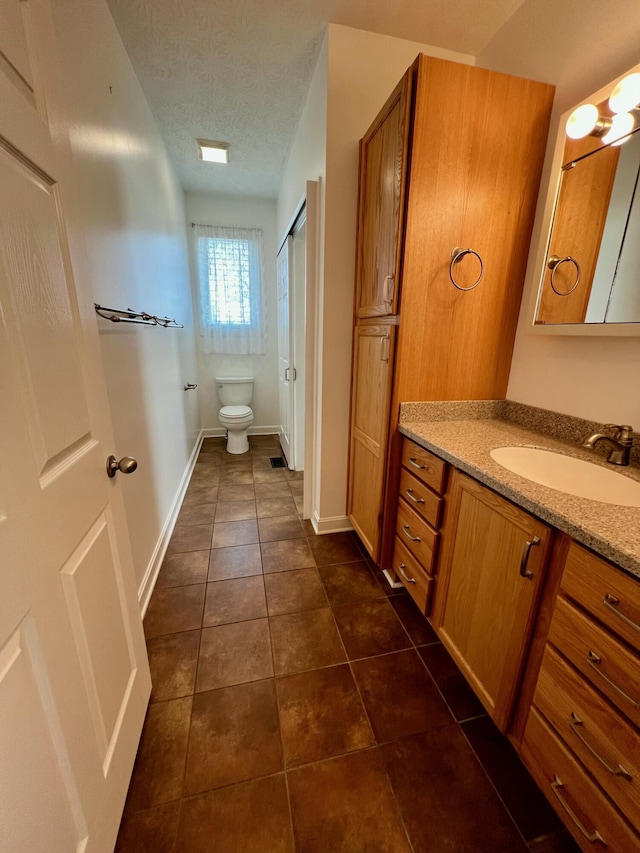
591,264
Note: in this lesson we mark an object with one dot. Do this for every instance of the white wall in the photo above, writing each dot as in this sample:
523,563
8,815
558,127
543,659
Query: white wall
579,47
209,209
133,214
361,69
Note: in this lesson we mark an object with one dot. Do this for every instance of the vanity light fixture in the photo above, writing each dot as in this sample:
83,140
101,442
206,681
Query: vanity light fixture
626,95
586,121
621,126
213,152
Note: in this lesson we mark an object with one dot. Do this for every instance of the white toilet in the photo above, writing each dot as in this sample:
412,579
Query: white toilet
235,394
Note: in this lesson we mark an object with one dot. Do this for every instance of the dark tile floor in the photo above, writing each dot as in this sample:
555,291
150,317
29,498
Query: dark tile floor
300,704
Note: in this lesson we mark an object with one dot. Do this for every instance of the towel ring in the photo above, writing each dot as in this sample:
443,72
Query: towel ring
456,256
553,263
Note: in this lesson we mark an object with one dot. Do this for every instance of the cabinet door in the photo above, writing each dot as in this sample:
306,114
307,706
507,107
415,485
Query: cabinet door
493,561
383,154
578,225
371,393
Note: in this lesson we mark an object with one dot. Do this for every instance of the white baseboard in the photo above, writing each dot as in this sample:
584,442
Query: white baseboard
331,524
220,432
151,574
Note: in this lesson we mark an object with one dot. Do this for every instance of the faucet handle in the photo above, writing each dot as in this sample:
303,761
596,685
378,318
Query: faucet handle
622,432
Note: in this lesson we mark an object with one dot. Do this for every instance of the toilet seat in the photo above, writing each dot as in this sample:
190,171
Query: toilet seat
235,412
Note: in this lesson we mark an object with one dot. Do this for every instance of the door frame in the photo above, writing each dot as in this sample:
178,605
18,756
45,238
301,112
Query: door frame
306,337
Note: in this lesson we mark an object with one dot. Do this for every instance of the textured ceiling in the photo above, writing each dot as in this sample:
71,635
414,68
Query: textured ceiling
239,70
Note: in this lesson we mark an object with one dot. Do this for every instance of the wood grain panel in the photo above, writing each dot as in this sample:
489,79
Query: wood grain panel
425,502
484,610
372,372
425,465
478,145
411,573
576,636
594,584
416,535
383,163
603,740
548,761
578,224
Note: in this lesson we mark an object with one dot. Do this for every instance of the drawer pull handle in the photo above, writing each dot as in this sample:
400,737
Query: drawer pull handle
575,724
590,836
528,545
401,569
388,287
594,662
416,464
613,603
407,533
409,494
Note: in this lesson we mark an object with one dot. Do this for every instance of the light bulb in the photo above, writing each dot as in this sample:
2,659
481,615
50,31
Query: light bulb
626,94
582,121
621,126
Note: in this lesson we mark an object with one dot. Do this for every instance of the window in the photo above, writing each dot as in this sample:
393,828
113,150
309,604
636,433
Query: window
231,291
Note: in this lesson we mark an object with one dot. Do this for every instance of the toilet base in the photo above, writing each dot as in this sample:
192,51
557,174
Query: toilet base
237,441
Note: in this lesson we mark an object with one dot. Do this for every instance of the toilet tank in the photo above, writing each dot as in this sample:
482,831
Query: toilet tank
234,390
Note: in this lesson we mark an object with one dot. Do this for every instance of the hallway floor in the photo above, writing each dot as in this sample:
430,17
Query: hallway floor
300,704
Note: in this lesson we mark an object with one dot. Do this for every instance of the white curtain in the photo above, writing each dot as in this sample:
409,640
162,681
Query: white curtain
232,305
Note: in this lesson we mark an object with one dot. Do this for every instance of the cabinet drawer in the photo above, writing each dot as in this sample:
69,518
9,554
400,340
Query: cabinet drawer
605,591
416,535
603,740
425,502
584,808
424,465
604,661
418,583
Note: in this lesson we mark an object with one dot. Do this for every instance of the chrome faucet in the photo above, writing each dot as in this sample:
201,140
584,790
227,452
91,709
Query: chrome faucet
620,444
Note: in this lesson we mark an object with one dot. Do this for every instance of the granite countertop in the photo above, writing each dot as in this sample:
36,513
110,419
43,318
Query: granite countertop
465,433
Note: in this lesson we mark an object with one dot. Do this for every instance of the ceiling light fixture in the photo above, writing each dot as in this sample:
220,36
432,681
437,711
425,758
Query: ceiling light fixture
213,152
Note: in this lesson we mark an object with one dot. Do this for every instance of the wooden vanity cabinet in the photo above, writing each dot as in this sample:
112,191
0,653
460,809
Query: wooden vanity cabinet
452,160
490,575
582,737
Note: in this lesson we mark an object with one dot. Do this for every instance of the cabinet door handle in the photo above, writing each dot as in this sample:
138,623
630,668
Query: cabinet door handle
416,464
407,533
388,288
409,494
575,724
594,662
384,349
590,836
613,603
528,545
401,569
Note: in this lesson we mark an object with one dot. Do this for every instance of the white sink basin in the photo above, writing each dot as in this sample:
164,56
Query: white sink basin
566,474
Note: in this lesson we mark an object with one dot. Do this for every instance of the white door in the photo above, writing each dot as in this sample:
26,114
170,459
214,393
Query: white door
297,287
74,679
286,371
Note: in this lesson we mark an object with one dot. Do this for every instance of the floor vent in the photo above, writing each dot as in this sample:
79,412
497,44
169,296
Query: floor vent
277,461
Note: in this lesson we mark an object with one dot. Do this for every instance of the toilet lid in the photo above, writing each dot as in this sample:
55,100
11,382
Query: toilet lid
235,411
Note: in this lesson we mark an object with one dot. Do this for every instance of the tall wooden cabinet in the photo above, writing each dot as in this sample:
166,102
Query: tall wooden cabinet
452,162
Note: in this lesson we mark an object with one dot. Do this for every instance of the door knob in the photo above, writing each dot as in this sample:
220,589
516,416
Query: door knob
127,465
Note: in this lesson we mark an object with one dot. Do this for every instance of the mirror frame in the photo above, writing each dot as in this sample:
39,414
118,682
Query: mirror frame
542,236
